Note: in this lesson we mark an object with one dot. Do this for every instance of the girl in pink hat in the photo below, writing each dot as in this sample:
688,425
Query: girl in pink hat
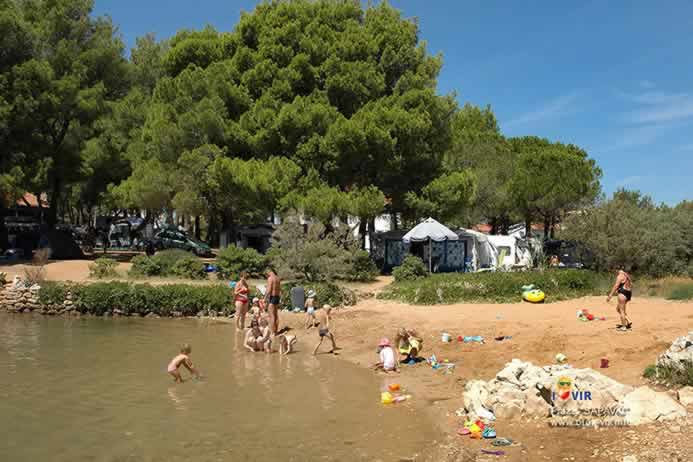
387,362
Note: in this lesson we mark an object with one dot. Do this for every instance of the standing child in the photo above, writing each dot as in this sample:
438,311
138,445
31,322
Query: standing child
324,328
310,310
182,359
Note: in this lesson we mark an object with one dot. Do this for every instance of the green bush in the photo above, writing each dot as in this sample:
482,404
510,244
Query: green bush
412,268
168,258
143,265
326,293
681,291
499,287
232,260
671,375
363,267
103,268
190,268
52,293
140,299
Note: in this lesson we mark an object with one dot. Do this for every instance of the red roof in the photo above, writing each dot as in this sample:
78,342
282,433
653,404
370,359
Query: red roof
31,200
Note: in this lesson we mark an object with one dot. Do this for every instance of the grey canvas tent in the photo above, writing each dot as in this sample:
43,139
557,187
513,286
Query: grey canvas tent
430,231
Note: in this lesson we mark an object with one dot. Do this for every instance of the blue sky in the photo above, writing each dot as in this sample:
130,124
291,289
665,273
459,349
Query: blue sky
615,78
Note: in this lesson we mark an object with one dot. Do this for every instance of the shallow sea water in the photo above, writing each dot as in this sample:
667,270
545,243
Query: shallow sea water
89,389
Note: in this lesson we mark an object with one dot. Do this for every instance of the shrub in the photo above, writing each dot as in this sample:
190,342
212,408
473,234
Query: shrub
412,268
681,291
499,287
190,268
363,267
232,260
671,375
141,299
168,258
143,265
3,278
326,293
103,268
35,274
52,293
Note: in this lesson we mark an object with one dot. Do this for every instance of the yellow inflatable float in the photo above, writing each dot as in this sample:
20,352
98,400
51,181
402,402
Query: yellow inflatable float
532,294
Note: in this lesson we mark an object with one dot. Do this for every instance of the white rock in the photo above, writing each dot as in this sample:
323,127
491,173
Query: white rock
630,459
680,352
646,406
686,396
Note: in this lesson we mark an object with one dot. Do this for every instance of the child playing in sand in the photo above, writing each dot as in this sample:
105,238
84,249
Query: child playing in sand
310,310
286,343
182,359
387,361
323,318
408,343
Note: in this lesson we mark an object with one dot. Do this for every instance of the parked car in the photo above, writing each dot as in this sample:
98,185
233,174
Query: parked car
171,238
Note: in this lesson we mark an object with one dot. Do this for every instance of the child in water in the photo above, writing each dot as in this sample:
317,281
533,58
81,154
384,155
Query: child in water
182,359
286,343
324,328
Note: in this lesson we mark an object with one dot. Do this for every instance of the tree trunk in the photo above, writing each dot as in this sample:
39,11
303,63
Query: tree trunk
52,216
197,227
553,227
362,232
547,226
494,225
371,233
528,226
212,230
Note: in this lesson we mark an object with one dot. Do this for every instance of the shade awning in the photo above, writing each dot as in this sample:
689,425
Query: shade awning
430,229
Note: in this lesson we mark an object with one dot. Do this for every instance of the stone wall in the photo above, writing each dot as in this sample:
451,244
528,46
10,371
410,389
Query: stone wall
16,297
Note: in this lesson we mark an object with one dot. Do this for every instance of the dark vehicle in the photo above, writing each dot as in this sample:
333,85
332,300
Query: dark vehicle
571,254
172,238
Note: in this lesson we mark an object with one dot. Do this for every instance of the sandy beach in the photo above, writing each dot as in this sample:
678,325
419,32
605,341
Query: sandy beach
538,333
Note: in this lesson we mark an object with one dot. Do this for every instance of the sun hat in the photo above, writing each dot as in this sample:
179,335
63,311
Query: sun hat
384,342
311,293
256,300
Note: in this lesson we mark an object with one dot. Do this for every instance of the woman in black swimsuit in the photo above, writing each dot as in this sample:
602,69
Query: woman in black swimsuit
624,288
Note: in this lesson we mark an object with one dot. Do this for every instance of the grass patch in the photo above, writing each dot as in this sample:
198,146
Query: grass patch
496,287
671,375
681,291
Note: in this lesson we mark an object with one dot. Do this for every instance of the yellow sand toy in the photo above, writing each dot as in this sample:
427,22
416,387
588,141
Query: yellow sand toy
532,295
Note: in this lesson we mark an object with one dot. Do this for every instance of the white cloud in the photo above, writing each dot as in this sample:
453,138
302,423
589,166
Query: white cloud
553,109
657,107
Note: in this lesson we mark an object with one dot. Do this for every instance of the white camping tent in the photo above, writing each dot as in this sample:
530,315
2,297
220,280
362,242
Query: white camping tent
480,253
516,253
429,231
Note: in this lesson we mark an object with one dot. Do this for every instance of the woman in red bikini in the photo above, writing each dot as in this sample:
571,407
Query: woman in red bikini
240,298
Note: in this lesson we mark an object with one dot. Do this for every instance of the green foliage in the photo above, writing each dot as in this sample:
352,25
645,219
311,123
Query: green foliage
650,372
671,375
144,266
551,178
61,69
189,268
363,268
140,299
495,287
169,262
232,260
630,230
313,255
681,291
445,197
53,293
412,268
326,293
103,268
